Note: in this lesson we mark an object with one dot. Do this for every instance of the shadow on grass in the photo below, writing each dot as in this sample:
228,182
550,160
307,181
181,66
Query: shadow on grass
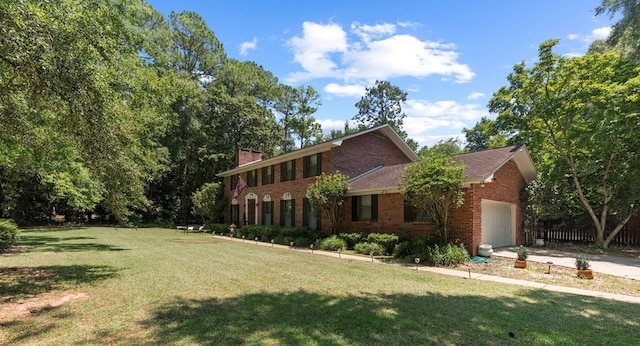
42,243
297,318
19,282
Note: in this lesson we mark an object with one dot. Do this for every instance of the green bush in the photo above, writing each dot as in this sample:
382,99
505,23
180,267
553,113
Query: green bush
333,243
303,241
8,233
368,248
280,240
403,250
351,238
447,255
218,227
386,240
282,235
456,254
419,247
264,232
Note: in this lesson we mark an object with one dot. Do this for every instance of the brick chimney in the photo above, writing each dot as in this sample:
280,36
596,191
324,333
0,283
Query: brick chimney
244,156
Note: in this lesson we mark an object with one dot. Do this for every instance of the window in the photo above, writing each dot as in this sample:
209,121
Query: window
267,213
364,208
310,218
288,170
312,165
252,178
267,175
235,214
287,213
234,182
413,214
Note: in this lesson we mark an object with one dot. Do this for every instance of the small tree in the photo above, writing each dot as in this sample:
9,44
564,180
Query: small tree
434,186
326,196
208,201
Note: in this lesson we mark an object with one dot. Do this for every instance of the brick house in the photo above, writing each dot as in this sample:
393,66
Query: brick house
374,160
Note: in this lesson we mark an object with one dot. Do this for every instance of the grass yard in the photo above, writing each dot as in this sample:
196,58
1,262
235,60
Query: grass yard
159,286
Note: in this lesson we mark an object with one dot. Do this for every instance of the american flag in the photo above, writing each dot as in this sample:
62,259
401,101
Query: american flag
239,187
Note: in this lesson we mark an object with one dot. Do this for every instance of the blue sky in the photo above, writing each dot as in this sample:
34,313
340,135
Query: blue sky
449,56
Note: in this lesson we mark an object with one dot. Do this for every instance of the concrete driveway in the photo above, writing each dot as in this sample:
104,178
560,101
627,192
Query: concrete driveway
626,267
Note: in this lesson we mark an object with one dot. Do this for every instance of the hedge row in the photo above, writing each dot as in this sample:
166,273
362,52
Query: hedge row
300,236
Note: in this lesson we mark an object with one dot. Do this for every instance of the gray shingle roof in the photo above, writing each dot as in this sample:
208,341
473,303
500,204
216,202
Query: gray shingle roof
479,166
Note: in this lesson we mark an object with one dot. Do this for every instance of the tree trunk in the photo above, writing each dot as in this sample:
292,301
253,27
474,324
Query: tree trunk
619,226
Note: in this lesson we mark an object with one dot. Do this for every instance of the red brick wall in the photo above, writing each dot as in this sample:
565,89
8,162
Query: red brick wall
245,156
467,220
365,152
390,219
466,223
297,188
356,157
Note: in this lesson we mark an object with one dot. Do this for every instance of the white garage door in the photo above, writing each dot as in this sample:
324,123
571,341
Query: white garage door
498,223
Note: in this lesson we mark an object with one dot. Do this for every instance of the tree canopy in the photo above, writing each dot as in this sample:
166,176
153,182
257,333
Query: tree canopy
382,104
111,108
326,196
77,99
434,186
579,116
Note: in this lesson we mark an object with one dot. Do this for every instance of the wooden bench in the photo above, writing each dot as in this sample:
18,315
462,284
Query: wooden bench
186,229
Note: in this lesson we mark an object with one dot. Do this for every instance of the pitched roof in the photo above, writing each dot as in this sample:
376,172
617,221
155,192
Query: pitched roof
385,130
479,167
378,178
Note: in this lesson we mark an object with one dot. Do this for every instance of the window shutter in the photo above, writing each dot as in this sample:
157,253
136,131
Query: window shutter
407,212
319,164
305,212
374,207
354,208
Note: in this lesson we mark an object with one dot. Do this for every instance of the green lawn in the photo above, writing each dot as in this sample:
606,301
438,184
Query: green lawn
158,286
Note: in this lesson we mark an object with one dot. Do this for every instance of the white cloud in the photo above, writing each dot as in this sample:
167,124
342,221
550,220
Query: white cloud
434,139
600,33
345,90
245,47
448,109
573,37
596,34
329,124
367,32
313,50
429,122
376,52
475,95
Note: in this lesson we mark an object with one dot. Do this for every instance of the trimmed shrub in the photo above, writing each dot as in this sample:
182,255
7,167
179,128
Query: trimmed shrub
281,240
419,247
386,240
403,250
218,227
368,248
8,233
333,243
351,238
303,242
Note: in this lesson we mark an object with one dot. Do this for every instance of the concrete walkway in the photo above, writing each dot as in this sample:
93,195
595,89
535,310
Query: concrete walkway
625,267
604,264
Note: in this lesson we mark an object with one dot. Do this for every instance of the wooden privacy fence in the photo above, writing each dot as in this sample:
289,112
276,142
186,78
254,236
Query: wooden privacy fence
628,235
